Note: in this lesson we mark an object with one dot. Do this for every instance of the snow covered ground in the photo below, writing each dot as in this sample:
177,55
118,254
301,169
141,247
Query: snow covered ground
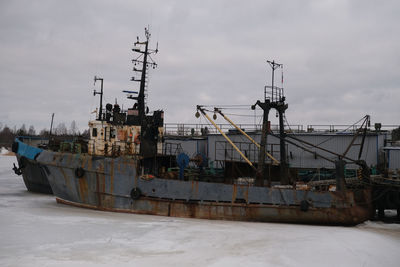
3,151
36,231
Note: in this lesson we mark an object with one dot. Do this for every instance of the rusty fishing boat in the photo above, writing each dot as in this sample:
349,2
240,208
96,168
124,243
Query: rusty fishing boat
126,169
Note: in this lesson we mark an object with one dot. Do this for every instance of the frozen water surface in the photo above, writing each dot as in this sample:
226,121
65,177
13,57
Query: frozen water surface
36,231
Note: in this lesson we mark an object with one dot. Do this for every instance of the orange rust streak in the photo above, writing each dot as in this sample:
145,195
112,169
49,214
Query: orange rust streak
234,193
101,177
54,159
86,206
83,188
89,163
103,183
112,180
112,176
98,189
195,188
65,178
82,161
246,192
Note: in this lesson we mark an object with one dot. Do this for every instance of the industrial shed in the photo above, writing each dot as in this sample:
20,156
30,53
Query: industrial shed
392,155
219,150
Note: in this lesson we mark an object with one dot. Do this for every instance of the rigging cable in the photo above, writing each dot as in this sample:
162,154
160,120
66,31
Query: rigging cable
343,131
255,116
242,140
241,115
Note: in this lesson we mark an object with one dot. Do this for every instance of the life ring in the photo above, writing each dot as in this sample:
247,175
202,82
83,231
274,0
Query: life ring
304,205
136,193
79,172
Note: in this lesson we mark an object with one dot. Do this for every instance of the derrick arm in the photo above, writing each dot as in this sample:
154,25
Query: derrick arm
276,162
226,137
367,124
363,128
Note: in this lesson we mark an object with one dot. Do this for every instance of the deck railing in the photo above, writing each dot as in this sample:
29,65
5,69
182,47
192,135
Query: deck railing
197,129
193,129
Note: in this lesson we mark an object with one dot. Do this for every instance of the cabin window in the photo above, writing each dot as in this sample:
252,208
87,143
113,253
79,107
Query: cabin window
112,133
94,132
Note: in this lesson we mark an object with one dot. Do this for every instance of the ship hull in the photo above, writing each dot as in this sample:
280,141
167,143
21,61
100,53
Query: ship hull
33,175
237,212
104,183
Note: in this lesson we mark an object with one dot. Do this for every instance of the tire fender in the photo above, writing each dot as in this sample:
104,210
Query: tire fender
136,193
79,172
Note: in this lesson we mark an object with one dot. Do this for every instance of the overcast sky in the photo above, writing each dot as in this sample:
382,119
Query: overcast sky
341,58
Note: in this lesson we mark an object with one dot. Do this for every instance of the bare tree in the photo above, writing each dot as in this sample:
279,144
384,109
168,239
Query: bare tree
44,132
22,130
6,136
61,129
86,133
73,130
6,131
396,134
31,130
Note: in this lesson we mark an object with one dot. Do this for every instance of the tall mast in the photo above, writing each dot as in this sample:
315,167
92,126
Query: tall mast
273,99
145,60
278,101
141,96
51,125
101,96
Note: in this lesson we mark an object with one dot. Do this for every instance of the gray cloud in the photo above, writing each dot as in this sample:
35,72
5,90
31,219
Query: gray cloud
341,58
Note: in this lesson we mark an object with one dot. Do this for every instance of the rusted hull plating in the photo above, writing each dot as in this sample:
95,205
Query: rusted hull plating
238,212
33,175
107,184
